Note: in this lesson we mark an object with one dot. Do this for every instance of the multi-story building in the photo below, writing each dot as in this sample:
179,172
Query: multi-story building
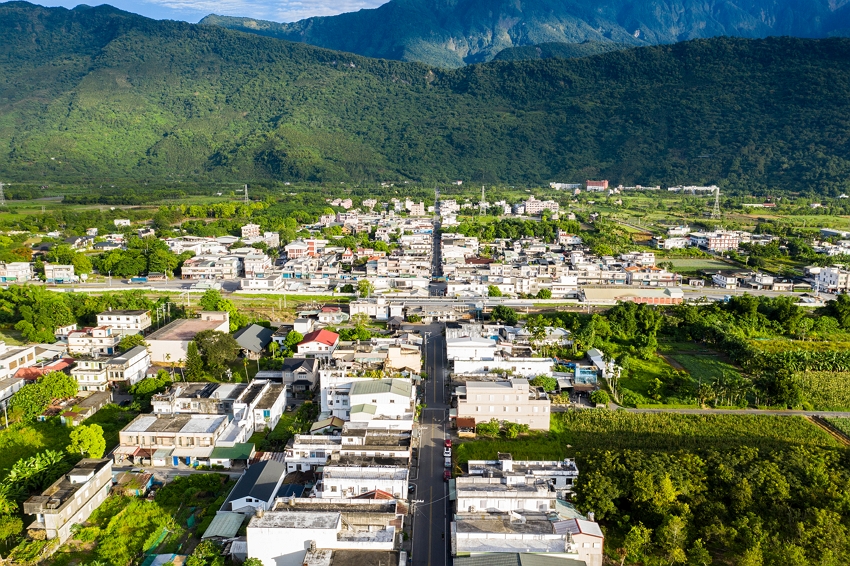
94,342
129,368
318,344
91,374
250,231
56,273
719,241
170,344
125,321
211,267
512,401
256,265
180,438
71,499
834,279
597,186
13,359
16,271
534,206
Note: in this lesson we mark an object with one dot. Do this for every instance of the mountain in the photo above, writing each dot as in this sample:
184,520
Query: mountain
560,50
101,94
452,33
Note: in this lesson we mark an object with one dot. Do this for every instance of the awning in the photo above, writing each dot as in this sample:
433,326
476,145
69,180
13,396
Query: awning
142,453
192,452
452,413
126,450
162,453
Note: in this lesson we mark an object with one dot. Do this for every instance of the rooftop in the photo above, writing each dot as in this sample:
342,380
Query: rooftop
296,520
271,396
184,329
175,423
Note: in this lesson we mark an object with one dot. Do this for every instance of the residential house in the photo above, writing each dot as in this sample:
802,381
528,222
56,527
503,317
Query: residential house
70,500
125,321
250,231
179,438
381,399
319,344
300,374
513,401
257,488
97,341
56,273
253,340
129,368
16,272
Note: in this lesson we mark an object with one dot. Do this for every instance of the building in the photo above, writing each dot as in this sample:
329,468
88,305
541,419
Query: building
534,207
129,368
211,267
94,342
121,222
512,401
250,231
71,499
648,295
834,279
56,273
300,374
90,374
725,281
719,241
8,387
381,399
352,481
125,321
178,438
170,344
257,488
596,186
16,272
13,359
253,340
318,344
470,348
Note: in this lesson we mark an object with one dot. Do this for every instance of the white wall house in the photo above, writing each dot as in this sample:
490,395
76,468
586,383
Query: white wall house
351,481
126,321
97,341
470,348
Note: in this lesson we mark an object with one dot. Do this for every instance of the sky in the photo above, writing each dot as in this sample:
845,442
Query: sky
194,10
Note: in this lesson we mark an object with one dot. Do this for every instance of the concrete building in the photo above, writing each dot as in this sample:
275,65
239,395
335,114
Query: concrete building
13,359
833,279
512,401
16,272
250,231
55,273
9,386
170,344
129,368
470,348
718,241
352,481
71,499
381,399
125,321
98,341
318,344
257,488
178,438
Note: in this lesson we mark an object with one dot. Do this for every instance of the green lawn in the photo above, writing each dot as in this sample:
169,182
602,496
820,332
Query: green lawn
697,264
12,337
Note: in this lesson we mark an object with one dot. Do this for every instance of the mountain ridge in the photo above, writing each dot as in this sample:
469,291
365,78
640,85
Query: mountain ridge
453,33
103,94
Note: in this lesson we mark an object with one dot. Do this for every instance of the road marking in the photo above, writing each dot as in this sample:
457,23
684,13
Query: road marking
430,522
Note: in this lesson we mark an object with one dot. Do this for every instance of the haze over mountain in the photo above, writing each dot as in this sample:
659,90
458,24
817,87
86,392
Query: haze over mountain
102,94
452,33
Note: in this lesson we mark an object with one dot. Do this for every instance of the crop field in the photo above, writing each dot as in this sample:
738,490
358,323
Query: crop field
825,390
701,363
841,424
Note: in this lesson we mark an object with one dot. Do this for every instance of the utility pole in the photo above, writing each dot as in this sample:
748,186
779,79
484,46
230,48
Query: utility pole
2,195
246,194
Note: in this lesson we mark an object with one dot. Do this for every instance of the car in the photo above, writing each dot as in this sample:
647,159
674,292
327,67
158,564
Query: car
448,463
447,443
411,488
447,475
447,453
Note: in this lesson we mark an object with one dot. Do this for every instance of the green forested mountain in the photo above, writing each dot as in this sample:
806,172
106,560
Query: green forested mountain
555,49
100,94
452,33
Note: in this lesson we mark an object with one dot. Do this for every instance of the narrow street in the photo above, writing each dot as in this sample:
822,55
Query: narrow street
430,522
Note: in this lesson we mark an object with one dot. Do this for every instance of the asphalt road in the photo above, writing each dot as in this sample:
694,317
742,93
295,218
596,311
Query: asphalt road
430,520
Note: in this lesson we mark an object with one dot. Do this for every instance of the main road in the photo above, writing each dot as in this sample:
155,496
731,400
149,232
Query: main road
431,518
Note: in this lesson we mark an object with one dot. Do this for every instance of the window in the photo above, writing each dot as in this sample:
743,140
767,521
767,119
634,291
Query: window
483,504
491,408
267,414
333,489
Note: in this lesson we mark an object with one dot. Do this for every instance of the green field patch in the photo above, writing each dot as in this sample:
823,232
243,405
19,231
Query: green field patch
697,264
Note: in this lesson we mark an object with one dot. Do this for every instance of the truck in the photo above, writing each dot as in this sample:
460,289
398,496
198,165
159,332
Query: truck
138,280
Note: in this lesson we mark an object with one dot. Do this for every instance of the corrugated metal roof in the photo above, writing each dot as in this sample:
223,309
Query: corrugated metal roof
254,337
401,387
224,525
239,451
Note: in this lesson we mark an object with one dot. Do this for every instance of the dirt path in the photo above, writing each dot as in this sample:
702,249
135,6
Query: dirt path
834,432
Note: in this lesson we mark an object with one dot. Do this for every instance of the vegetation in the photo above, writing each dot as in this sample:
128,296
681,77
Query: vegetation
32,400
258,98
699,489
88,441
289,425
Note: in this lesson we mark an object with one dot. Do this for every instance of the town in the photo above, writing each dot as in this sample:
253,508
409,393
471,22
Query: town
397,382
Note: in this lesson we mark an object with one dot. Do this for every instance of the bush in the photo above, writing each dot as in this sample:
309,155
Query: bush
600,397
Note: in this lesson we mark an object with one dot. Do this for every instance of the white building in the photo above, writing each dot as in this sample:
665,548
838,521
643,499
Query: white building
250,231
351,481
512,401
725,281
170,344
470,348
381,399
97,341
318,344
130,367
16,272
56,273
125,321
833,279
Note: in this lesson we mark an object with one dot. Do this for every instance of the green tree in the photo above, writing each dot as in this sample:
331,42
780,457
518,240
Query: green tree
253,562
291,342
87,440
600,397
493,291
546,382
82,264
504,314
210,300
636,540
274,348
130,341
544,294
216,348
365,288
490,428
194,362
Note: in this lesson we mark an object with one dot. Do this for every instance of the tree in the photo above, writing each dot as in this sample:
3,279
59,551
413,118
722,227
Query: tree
194,362
207,553
253,562
87,440
504,314
365,288
131,341
210,300
493,291
290,342
547,383
600,397
32,400
360,320
216,348
274,347
544,294
636,540
490,428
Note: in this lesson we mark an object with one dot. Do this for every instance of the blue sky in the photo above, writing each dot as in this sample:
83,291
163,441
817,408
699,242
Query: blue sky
194,10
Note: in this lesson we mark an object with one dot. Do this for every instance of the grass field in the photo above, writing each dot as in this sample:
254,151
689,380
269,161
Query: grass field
689,264
701,363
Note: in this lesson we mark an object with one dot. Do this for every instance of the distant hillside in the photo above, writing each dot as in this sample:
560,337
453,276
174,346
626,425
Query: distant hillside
452,33
559,50
99,94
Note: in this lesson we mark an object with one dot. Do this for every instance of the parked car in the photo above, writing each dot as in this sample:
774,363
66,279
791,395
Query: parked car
447,475
447,453
447,443
411,488
448,463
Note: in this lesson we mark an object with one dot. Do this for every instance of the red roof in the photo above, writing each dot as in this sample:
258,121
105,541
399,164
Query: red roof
322,336
375,494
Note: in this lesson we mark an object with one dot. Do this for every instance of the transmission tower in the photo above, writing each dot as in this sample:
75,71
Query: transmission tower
715,213
481,204
246,194
2,195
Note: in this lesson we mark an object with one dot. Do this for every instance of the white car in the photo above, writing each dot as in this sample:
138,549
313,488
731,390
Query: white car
447,453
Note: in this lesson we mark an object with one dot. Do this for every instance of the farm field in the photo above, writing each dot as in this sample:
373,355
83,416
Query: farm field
703,364
841,424
697,264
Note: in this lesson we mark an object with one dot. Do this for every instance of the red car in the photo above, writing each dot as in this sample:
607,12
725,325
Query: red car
447,443
447,475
